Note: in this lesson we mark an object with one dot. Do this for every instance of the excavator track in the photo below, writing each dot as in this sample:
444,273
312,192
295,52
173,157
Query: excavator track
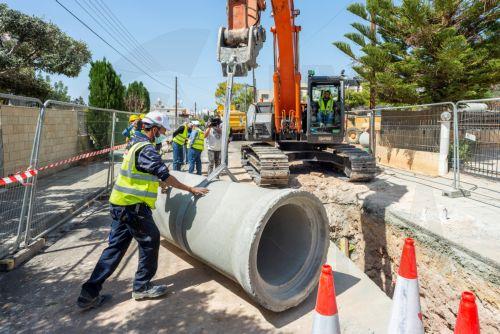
358,165
266,164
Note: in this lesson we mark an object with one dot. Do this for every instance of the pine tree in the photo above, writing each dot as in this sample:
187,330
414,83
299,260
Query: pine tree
426,51
373,58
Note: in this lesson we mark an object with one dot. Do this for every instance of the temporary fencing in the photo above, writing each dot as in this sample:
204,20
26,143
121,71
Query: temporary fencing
466,134
479,137
18,115
70,162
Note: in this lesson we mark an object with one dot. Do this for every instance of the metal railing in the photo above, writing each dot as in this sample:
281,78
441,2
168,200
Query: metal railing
466,133
73,153
478,137
14,196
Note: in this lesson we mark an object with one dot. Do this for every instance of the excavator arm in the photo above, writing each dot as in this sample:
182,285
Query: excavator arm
241,42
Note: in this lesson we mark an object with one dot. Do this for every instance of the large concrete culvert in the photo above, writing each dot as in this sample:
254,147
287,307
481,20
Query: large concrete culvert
272,242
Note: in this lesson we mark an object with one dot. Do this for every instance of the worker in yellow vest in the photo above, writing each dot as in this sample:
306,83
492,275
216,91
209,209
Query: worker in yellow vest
133,196
180,138
326,108
196,145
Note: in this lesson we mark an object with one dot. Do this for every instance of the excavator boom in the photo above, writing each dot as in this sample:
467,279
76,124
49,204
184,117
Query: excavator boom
241,42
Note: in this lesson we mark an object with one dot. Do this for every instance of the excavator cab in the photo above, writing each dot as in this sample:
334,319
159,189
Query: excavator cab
325,120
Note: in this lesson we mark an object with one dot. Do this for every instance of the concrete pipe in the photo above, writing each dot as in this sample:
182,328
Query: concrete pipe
271,242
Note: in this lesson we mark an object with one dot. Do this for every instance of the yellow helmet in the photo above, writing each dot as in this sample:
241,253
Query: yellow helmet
133,118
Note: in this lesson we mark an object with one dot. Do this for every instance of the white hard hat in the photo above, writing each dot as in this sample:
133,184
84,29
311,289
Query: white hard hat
157,118
197,123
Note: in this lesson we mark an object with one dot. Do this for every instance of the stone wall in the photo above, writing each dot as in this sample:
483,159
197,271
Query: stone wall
60,137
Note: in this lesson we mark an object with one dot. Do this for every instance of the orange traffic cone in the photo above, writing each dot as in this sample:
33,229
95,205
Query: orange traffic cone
326,318
406,316
467,318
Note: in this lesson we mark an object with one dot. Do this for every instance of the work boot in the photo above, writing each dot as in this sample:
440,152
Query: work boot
87,302
150,292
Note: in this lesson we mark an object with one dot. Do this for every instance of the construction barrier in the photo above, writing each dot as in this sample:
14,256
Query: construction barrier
19,118
406,316
326,318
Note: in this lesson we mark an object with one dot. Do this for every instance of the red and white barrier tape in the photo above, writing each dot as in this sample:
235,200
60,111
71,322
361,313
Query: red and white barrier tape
20,177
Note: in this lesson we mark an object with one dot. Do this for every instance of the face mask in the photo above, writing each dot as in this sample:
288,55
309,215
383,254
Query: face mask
160,139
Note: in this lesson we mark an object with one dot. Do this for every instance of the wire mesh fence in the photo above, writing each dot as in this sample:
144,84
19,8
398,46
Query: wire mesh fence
75,160
479,137
18,123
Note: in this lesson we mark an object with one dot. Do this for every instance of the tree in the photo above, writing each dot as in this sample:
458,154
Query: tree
421,51
242,95
137,98
78,100
373,58
59,91
356,99
446,50
29,45
105,91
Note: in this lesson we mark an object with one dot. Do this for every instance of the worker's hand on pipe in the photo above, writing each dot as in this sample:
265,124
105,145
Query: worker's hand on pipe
199,191
171,181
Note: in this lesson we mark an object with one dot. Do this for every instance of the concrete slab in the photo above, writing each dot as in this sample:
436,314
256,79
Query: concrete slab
41,294
470,223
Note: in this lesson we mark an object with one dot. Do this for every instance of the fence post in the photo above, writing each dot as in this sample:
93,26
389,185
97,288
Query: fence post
372,133
444,143
112,161
34,165
457,191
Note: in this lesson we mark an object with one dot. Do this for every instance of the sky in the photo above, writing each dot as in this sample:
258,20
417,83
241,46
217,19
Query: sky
179,38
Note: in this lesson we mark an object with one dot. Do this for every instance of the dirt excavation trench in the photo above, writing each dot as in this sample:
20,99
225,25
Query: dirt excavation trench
362,214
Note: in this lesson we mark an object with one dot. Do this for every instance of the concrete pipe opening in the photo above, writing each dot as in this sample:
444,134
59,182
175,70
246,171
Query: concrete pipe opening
289,251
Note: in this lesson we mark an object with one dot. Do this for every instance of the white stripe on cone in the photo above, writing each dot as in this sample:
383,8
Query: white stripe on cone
406,317
326,324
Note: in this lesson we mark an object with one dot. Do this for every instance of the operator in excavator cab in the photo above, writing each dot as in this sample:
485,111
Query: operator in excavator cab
325,109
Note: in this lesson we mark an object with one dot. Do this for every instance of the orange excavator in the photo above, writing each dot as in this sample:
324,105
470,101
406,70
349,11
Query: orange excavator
287,129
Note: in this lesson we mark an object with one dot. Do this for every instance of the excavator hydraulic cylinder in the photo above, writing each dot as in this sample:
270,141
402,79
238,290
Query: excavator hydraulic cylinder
271,242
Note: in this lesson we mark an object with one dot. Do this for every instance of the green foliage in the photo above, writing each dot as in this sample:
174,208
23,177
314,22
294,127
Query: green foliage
137,98
59,92
105,91
242,95
29,45
419,51
358,99
465,149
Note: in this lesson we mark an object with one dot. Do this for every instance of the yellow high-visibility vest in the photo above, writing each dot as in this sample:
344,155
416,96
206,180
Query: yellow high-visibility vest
199,142
181,138
132,186
326,109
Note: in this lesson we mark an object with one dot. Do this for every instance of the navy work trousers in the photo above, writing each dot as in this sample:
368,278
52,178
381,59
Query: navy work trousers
178,151
135,221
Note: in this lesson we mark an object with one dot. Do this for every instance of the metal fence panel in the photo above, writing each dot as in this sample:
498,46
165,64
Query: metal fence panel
479,137
18,123
412,127
75,162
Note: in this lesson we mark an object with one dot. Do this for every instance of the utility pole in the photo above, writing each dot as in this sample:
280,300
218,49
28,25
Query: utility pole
195,110
176,98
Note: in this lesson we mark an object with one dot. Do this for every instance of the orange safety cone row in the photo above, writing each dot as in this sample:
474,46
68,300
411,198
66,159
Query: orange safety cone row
467,318
406,316
326,318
